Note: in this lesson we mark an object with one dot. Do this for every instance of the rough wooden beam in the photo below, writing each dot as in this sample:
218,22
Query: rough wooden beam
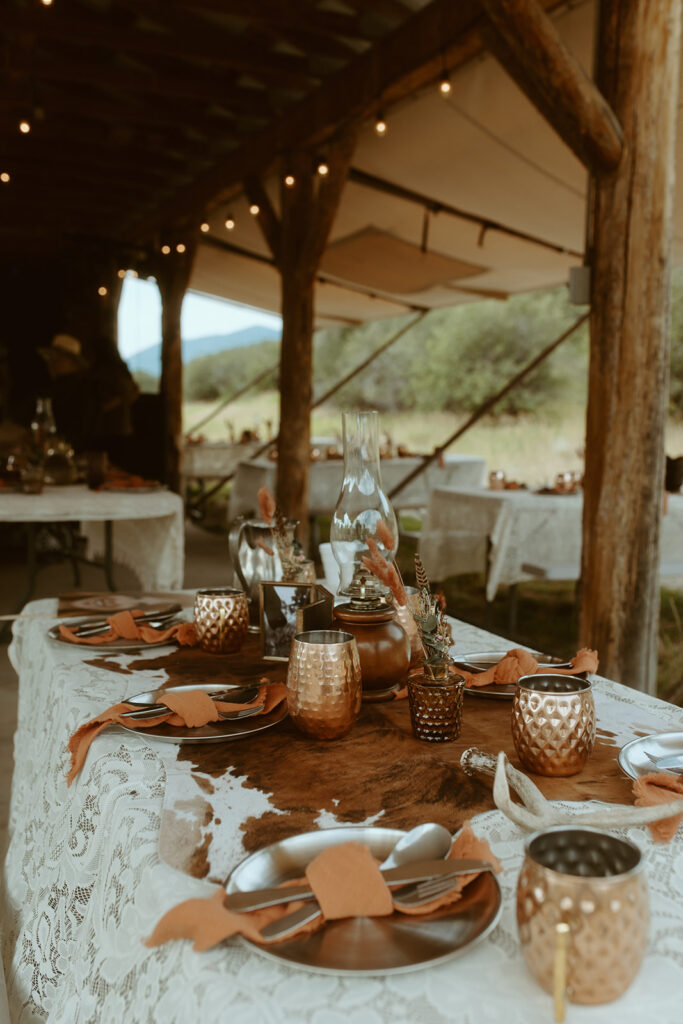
173,273
638,52
525,41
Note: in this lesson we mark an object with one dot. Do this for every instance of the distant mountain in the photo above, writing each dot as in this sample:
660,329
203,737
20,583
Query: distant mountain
149,359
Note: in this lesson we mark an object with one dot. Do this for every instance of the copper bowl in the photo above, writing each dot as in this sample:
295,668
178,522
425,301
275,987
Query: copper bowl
594,883
553,723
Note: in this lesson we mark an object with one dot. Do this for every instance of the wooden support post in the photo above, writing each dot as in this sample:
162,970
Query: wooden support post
297,239
630,252
525,41
172,274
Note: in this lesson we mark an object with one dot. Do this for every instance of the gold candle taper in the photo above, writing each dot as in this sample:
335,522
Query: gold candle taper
560,969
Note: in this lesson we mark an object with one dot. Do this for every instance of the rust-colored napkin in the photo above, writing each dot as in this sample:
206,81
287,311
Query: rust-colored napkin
191,708
658,788
518,663
346,881
123,626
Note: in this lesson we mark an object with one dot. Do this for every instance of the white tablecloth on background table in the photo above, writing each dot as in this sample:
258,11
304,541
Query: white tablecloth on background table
517,527
326,479
148,527
83,884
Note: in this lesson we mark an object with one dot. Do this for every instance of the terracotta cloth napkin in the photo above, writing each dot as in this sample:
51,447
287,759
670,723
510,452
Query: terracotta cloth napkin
191,708
518,662
659,788
346,881
122,626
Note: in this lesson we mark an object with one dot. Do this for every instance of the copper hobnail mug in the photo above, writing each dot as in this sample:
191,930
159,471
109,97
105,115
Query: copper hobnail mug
221,619
553,723
324,683
593,884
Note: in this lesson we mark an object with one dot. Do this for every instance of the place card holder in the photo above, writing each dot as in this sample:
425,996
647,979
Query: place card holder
286,609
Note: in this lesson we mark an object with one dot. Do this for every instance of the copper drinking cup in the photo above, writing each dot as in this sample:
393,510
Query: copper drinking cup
553,723
594,884
323,683
221,619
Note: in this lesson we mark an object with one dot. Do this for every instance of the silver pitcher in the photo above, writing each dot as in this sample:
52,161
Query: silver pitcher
255,558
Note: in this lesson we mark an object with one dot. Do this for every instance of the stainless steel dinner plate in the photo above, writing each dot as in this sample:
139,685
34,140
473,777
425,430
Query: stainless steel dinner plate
214,732
499,691
119,646
368,945
633,759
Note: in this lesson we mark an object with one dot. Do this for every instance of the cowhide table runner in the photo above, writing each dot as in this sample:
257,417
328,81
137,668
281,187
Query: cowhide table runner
225,800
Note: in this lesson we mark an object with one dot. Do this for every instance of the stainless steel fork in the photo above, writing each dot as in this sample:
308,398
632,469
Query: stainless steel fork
432,889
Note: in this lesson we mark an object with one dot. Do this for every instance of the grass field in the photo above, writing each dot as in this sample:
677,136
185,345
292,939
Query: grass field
530,449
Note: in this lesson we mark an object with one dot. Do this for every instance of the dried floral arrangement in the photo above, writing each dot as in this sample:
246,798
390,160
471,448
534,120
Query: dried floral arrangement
288,547
432,624
430,614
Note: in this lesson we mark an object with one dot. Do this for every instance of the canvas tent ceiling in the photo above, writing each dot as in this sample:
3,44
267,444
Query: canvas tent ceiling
484,150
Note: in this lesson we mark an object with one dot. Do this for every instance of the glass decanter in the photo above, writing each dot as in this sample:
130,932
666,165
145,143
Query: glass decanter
362,503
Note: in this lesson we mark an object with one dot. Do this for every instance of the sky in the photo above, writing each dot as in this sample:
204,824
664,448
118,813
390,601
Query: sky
140,316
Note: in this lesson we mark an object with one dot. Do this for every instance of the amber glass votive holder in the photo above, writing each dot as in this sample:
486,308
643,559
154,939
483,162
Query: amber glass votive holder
221,619
436,707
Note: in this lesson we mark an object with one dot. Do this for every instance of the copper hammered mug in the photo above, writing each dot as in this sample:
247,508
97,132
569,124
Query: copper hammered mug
553,723
593,884
323,683
221,619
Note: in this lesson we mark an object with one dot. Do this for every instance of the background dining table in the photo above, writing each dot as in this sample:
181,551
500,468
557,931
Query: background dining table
144,527
507,533
327,474
91,868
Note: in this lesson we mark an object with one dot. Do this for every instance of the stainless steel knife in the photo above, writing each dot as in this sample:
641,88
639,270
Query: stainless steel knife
242,902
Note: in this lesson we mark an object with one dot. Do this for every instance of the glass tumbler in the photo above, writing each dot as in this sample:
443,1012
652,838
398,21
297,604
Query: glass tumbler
221,619
591,883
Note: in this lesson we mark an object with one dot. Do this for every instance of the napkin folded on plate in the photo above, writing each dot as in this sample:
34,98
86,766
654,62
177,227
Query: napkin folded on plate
189,708
346,881
518,663
659,788
123,626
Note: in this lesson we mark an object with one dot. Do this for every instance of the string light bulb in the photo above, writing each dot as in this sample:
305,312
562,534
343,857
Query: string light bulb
205,227
323,168
24,126
133,273
166,249
290,180
380,125
4,177
230,222
102,291
46,3
180,247
121,274
445,85
254,209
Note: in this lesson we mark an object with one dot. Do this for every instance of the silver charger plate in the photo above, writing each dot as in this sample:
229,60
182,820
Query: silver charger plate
368,945
499,691
633,760
119,646
214,732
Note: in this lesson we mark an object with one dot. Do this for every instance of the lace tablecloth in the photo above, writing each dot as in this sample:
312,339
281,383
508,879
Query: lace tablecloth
84,884
148,531
511,528
326,479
